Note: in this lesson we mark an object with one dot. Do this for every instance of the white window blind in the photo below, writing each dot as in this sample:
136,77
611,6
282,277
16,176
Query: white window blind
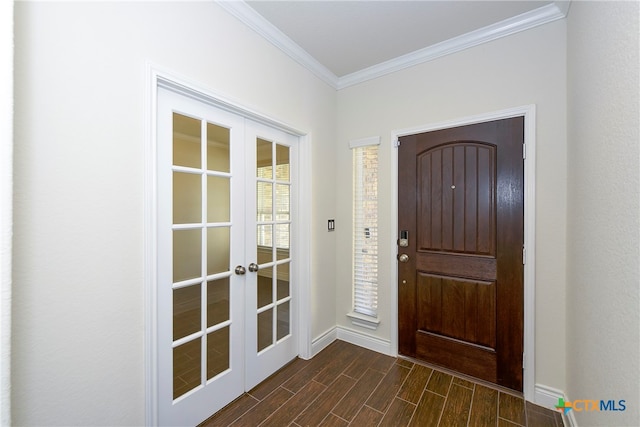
265,202
365,226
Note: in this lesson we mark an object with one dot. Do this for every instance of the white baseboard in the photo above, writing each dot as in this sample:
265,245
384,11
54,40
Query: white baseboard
353,337
323,341
364,340
547,397
570,419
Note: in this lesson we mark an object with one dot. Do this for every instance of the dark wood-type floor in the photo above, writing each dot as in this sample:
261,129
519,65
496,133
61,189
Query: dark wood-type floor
349,385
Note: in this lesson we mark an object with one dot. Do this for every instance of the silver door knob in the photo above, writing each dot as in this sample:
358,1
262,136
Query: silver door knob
403,258
253,267
240,270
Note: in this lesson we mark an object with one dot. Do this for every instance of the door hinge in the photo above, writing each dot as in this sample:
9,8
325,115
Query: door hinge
396,143
524,365
524,151
524,255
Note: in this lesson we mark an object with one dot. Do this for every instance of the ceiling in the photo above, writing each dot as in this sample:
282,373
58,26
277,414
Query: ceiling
347,42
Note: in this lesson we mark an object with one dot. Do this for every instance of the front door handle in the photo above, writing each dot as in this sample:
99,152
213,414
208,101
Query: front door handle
240,270
253,267
403,258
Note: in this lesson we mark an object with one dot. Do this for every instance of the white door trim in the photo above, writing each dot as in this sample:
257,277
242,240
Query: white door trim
156,78
529,114
6,204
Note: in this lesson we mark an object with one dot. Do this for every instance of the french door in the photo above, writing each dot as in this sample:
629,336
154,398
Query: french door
225,217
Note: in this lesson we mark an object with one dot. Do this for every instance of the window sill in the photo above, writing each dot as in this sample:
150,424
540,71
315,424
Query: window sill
364,321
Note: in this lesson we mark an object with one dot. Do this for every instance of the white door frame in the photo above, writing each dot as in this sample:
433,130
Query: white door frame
6,204
529,153
302,240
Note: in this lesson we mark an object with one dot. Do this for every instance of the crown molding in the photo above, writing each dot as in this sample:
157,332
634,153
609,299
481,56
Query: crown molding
255,21
522,22
563,6
247,15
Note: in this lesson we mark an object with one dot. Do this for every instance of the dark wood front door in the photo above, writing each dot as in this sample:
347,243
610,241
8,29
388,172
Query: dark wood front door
460,291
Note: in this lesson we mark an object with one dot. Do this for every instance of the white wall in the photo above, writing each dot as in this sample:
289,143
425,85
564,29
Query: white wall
79,145
526,68
603,304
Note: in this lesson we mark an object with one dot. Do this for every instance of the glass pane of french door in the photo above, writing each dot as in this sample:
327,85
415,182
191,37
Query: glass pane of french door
201,252
273,216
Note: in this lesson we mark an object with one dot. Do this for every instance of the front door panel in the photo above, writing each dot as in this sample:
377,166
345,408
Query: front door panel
461,290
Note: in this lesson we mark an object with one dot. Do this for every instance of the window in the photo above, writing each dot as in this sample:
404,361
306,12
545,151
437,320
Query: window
365,232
